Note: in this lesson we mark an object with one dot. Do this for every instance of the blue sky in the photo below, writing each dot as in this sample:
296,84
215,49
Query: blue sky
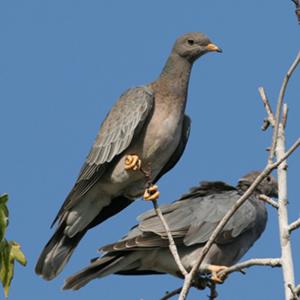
62,66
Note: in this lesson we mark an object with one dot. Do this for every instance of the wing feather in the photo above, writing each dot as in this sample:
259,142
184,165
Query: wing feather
121,125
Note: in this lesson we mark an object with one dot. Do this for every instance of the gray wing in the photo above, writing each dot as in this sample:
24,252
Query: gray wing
122,124
186,127
191,221
210,213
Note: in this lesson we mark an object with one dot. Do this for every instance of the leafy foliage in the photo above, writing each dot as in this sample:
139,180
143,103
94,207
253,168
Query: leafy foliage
10,251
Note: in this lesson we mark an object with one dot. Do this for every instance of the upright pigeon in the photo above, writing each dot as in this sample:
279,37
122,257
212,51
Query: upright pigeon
192,219
146,127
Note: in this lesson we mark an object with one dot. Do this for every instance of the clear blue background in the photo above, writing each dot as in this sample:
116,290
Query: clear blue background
62,66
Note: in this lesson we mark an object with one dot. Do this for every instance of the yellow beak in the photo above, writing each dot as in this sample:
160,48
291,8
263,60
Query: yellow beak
213,47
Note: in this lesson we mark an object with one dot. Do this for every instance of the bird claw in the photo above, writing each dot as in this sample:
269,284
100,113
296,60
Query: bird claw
132,162
215,276
151,193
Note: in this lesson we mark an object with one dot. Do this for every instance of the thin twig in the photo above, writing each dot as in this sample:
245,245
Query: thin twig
272,262
268,108
169,295
294,225
172,245
269,200
279,105
284,114
268,169
290,151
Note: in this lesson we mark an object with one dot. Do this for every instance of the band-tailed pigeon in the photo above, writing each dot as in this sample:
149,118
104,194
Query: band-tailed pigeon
146,126
192,219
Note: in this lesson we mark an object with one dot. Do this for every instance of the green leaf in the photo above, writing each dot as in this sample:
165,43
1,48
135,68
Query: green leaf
6,266
3,198
17,254
10,252
3,216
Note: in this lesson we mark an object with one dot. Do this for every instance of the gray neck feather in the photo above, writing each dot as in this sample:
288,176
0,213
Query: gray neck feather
176,68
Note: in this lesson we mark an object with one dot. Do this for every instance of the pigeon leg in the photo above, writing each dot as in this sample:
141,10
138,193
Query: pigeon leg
132,162
214,270
151,193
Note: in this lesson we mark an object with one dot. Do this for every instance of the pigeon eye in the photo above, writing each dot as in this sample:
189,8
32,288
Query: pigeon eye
191,42
269,179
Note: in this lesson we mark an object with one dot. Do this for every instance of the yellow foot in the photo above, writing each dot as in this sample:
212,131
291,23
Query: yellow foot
132,162
214,270
151,193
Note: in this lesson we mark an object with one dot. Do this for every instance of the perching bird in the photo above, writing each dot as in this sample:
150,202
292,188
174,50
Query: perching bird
148,127
192,219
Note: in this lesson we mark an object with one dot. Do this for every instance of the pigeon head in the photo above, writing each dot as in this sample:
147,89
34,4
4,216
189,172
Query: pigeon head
193,45
268,186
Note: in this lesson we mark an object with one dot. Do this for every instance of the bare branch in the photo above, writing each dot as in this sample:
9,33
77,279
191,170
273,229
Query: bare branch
269,200
172,245
278,150
284,235
169,295
294,225
289,152
279,104
272,262
270,119
284,115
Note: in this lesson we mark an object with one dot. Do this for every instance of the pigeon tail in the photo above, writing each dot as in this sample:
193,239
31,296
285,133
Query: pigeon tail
60,247
107,265
57,253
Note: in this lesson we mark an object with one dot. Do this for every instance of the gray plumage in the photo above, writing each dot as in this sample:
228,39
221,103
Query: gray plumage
147,121
192,219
